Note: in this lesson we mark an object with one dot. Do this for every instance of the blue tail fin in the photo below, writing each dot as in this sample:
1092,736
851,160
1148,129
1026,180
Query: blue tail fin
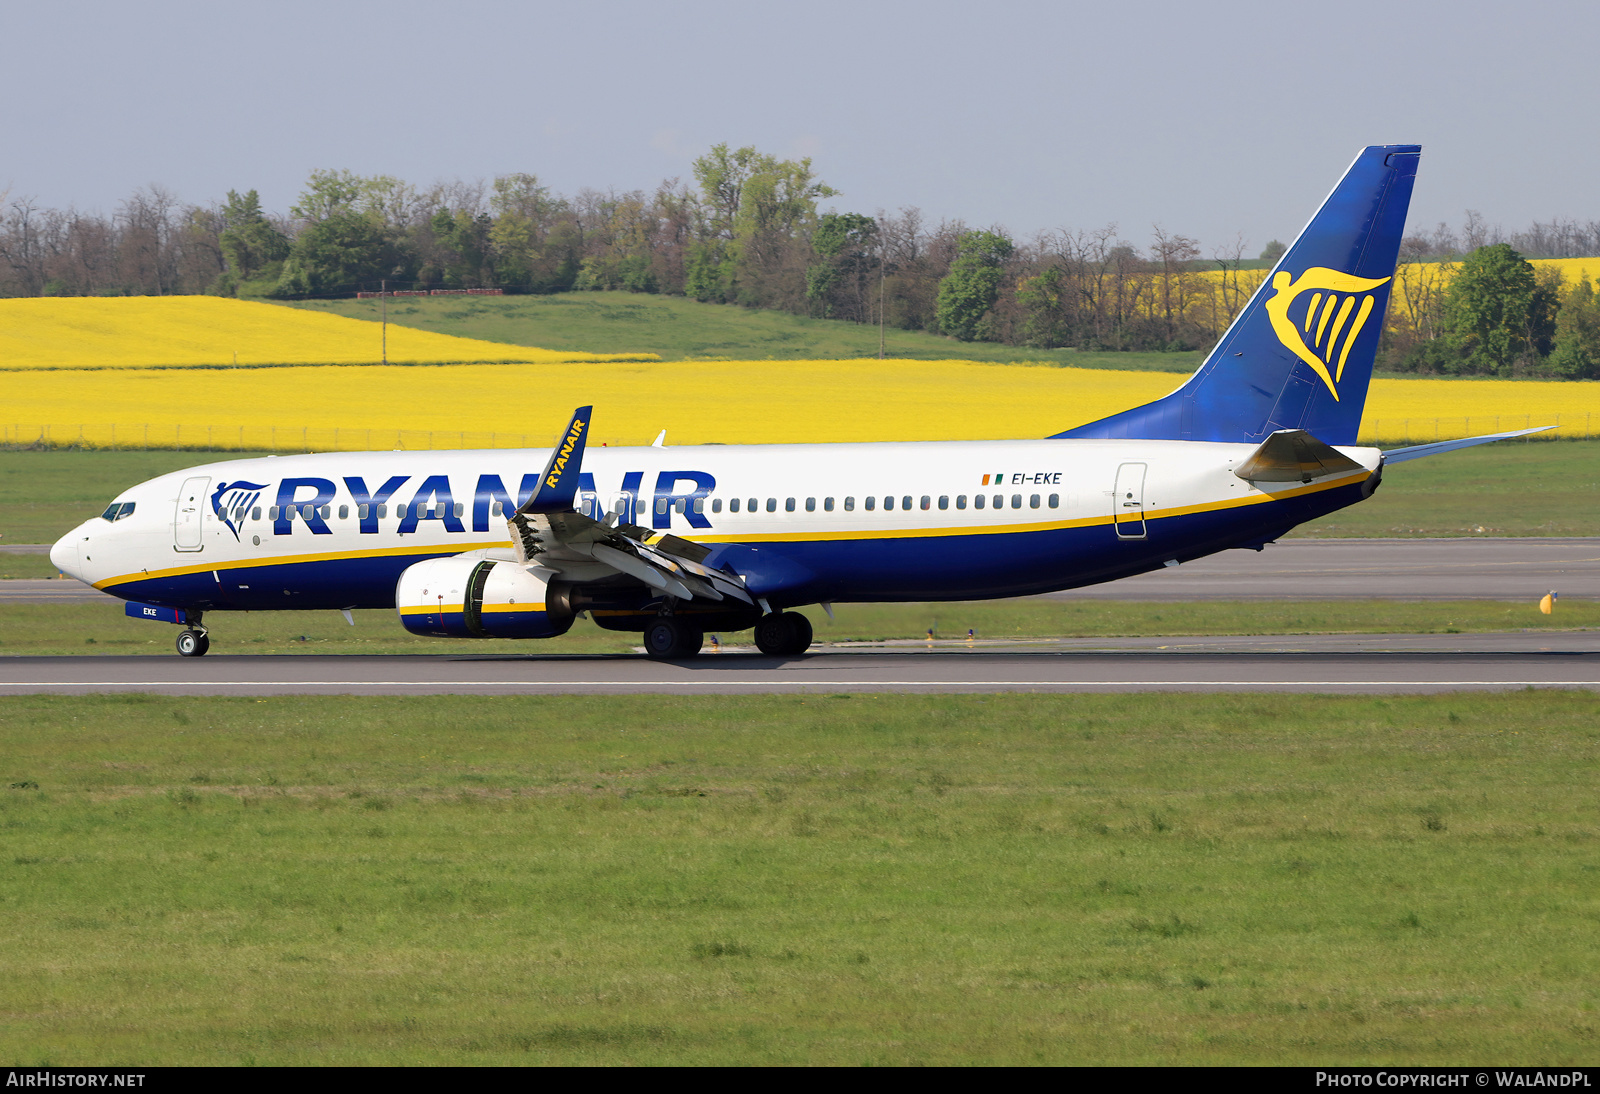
1300,354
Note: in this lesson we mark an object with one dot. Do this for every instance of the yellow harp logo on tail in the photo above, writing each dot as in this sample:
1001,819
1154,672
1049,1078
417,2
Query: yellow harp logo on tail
1321,335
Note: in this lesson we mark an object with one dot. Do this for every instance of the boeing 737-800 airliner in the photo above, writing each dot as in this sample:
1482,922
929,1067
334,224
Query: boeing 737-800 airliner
673,541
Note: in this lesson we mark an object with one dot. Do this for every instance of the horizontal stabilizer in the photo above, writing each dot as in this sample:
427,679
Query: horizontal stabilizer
558,486
1293,455
1417,451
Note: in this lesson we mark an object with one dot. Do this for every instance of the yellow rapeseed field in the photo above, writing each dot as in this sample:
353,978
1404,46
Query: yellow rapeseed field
734,402
189,331
1435,273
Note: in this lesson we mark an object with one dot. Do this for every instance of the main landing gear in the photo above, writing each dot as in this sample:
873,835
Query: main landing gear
669,639
193,643
778,634
783,634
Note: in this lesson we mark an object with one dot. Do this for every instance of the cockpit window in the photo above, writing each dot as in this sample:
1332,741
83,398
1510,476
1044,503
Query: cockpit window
117,510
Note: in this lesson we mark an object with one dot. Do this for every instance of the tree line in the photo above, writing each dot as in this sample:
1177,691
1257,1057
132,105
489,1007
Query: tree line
749,230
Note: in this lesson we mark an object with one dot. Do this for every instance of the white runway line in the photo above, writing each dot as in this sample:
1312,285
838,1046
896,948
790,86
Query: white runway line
795,683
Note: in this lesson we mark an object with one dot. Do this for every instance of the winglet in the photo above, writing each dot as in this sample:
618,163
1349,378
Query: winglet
558,486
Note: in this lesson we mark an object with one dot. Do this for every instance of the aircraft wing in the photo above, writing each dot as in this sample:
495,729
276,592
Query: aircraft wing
547,531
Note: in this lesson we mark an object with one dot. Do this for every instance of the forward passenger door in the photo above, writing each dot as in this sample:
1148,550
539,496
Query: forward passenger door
186,521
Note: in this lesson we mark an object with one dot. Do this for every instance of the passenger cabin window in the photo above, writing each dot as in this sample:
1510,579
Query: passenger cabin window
927,502
700,505
788,505
1033,501
1016,501
661,505
871,502
999,501
849,505
754,504
678,506
733,505
255,514
772,505
944,501
888,502
363,509
461,508
383,511
827,505
1055,501
978,501
811,505
961,501
344,512
272,512
716,505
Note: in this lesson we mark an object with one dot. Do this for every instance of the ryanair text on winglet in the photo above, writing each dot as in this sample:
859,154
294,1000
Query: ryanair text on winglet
567,445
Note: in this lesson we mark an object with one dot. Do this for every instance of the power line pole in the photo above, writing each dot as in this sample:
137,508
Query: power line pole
880,307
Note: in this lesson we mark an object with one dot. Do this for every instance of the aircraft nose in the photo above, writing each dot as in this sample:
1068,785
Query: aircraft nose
64,555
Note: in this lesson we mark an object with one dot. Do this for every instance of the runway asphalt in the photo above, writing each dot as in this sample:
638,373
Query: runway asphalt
1297,569
1342,664
1452,569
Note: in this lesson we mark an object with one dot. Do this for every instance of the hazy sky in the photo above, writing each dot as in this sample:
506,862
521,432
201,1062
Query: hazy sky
1211,119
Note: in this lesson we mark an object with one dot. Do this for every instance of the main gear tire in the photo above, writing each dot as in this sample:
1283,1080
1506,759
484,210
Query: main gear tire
783,634
193,644
667,639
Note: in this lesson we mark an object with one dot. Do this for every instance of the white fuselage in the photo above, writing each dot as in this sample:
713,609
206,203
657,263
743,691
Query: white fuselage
839,521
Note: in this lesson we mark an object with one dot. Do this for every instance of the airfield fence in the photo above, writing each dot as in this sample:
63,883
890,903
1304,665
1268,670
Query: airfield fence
207,438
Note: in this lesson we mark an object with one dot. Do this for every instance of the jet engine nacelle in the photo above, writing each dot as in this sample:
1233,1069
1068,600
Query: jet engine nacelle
480,598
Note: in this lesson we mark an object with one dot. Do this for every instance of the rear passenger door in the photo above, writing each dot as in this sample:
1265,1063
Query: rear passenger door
1127,500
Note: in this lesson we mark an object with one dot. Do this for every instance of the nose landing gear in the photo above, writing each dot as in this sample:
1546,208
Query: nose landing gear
193,643
192,640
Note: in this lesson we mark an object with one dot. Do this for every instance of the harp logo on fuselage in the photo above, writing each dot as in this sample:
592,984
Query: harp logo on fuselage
1318,316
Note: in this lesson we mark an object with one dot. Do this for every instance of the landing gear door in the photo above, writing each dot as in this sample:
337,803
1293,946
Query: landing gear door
186,521
1127,514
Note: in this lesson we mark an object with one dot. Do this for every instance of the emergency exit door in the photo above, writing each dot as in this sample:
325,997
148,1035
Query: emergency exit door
1127,514
186,522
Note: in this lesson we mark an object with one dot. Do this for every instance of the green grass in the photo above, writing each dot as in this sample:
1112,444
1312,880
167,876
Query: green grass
102,628
1514,488
679,329
825,880
45,494
26,566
